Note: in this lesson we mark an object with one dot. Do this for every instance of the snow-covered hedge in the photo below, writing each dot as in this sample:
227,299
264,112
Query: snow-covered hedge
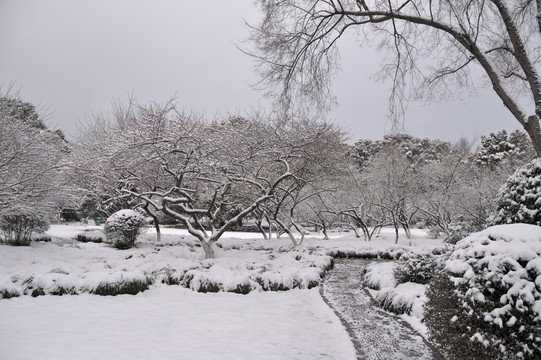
390,253
497,281
519,199
398,295
122,228
262,271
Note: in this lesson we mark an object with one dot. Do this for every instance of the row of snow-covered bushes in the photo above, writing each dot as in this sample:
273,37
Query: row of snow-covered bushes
280,271
121,229
483,298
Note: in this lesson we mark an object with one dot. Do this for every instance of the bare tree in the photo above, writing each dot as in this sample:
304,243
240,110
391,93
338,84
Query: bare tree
317,153
433,47
194,171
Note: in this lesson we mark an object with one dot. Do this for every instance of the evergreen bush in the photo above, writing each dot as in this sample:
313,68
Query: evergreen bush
122,228
519,199
487,299
415,267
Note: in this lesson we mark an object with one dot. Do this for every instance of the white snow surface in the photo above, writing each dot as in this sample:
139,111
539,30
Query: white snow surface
173,323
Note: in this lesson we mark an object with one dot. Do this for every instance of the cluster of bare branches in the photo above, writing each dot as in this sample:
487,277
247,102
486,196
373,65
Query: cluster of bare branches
431,47
206,175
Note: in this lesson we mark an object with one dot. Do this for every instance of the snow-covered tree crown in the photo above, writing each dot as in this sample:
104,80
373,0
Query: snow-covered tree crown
519,199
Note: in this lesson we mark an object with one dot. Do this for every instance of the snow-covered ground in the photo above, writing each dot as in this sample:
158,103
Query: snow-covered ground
173,323
170,321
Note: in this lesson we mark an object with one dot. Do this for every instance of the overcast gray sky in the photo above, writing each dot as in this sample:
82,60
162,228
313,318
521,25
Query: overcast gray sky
78,57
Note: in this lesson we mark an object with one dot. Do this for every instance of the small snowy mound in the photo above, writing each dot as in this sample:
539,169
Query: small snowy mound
497,273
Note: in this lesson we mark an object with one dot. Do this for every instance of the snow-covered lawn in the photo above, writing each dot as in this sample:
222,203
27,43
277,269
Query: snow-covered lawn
173,321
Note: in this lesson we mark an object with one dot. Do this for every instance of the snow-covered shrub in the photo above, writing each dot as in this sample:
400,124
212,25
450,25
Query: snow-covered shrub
41,238
379,275
122,228
406,298
84,238
519,199
445,329
17,228
417,267
128,286
492,298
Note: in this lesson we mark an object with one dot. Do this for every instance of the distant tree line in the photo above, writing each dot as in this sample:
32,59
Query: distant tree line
283,173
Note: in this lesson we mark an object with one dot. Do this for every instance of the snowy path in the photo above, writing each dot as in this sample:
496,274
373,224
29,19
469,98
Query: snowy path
376,334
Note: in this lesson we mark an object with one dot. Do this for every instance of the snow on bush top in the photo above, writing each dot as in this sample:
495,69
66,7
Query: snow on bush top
498,272
519,200
125,218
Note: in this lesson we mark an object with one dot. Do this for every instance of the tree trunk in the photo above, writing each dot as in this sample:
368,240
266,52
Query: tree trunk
407,230
260,227
156,221
158,231
534,131
270,226
325,235
291,237
356,231
286,230
209,251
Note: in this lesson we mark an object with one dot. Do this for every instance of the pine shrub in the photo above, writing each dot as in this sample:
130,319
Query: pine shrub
519,199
